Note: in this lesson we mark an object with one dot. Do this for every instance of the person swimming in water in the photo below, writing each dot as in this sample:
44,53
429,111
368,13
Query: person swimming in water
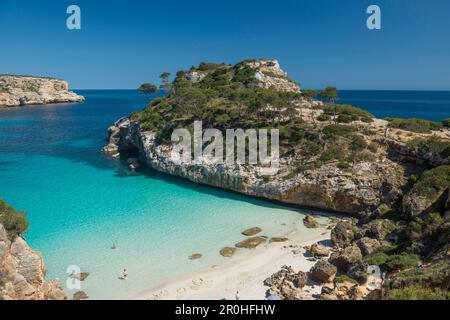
124,274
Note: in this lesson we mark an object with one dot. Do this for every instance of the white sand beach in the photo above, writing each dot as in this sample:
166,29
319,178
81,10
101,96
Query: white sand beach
244,273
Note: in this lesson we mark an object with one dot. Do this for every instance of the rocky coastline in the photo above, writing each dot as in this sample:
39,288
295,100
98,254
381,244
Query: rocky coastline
393,178
22,272
363,189
18,91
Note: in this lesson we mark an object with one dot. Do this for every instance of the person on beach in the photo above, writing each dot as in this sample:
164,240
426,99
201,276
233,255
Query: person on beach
237,295
125,274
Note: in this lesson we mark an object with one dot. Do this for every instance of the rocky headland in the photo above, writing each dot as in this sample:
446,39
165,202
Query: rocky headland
392,176
22,269
27,90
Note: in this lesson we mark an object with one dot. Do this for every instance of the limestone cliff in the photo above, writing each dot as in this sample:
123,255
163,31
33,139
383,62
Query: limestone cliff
358,191
337,158
27,90
22,272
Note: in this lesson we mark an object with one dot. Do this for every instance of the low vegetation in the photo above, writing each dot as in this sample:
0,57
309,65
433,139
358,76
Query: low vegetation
432,146
15,222
446,123
414,125
347,113
228,96
416,293
344,278
432,182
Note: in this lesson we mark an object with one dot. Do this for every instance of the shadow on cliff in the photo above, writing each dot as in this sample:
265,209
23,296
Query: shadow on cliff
91,156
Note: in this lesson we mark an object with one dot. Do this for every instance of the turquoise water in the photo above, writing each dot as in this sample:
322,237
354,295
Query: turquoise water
78,202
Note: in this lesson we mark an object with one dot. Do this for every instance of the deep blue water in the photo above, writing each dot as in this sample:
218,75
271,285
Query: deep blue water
431,105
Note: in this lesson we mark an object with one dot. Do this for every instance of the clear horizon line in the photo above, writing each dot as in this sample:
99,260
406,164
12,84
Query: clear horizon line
423,90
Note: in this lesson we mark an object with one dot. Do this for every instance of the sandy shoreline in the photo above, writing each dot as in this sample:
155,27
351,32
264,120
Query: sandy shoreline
244,273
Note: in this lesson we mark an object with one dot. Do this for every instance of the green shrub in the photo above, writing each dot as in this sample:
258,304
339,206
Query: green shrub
432,182
446,123
344,278
433,146
414,125
373,147
332,153
324,117
348,113
358,143
335,130
377,259
343,165
15,222
400,262
415,293
207,66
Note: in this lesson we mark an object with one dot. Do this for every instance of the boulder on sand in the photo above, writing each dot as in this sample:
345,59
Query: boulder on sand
319,250
323,272
251,231
367,245
345,259
343,233
287,284
250,243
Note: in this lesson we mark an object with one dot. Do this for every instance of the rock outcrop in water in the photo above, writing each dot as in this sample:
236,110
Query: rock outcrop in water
27,90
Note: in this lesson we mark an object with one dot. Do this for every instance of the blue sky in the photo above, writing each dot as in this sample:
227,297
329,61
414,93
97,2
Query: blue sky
318,42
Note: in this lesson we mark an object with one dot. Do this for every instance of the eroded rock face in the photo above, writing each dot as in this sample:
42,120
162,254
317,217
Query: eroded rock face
269,74
367,245
319,250
447,206
323,272
358,192
344,291
287,284
19,91
22,272
343,260
361,189
343,233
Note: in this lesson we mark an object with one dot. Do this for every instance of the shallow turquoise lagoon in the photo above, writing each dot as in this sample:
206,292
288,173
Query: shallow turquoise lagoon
79,202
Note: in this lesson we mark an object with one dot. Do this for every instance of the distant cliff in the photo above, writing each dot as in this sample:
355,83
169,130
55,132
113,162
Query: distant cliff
28,90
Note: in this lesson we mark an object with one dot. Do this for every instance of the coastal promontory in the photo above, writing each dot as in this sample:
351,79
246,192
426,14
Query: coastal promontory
29,90
332,156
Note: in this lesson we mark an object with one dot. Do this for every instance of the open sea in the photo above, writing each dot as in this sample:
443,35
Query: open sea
79,202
